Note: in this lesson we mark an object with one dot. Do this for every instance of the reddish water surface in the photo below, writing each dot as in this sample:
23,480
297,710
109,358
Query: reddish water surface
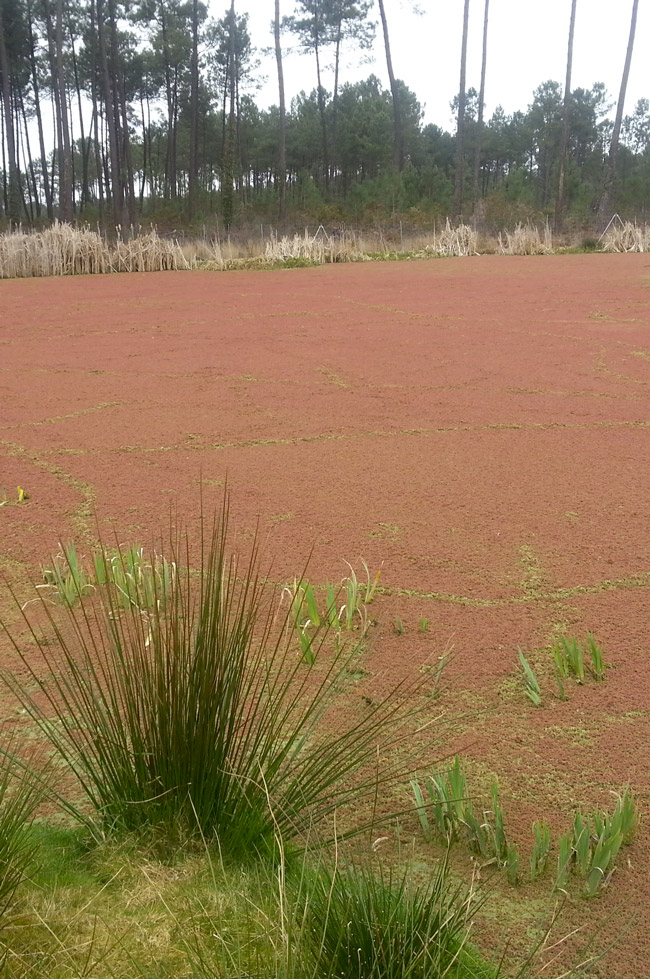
479,426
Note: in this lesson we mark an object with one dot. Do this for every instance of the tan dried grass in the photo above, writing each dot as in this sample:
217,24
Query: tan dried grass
460,241
526,239
65,250
627,237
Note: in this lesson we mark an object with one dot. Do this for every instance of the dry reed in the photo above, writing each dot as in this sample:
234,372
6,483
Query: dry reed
526,239
319,250
627,237
64,250
460,241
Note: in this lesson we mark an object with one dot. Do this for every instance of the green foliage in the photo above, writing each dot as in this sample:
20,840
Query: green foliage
307,619
597,840
564,857
568,655
533,690
66,578
512,865
367,925
596,653
20,794
453,813
194,715
541,847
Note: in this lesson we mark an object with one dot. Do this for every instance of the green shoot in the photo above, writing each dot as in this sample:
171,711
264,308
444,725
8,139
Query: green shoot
424,624
421,809
596,653
371,586
398,627
565,855
604,855
442,662
628,818
533,690
573,653
512,864
541,848
66,578
582,843
333,620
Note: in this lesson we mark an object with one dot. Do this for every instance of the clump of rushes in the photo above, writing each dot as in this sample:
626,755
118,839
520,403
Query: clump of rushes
20,794
195,716
378,925
533,689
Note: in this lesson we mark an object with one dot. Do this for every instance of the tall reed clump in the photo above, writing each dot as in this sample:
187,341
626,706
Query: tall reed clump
627,237
460,241
364,924
308,249
20,794
65,250
196,714
526,239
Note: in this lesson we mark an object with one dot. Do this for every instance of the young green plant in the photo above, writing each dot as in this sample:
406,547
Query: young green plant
533,690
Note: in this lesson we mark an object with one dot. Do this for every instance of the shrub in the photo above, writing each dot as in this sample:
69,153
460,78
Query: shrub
195,714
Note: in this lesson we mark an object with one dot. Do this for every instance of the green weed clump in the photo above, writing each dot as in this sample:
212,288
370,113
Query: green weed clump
20,794
367,925
337,617
454,817
533,689
179,704
570,659
597,840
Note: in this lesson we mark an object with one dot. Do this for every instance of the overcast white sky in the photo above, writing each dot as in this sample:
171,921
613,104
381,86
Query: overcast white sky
527,45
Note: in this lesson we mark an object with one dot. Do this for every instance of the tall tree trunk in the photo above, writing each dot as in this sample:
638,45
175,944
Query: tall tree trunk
193,172
109,117
335,95
398,127
13,185
227,190
559,199
39,117
170,167
27,154
66,211
460,129
85,189
481,109
610,167
321,111
282,150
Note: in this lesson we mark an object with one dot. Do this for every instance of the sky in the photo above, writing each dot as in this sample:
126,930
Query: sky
527,45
